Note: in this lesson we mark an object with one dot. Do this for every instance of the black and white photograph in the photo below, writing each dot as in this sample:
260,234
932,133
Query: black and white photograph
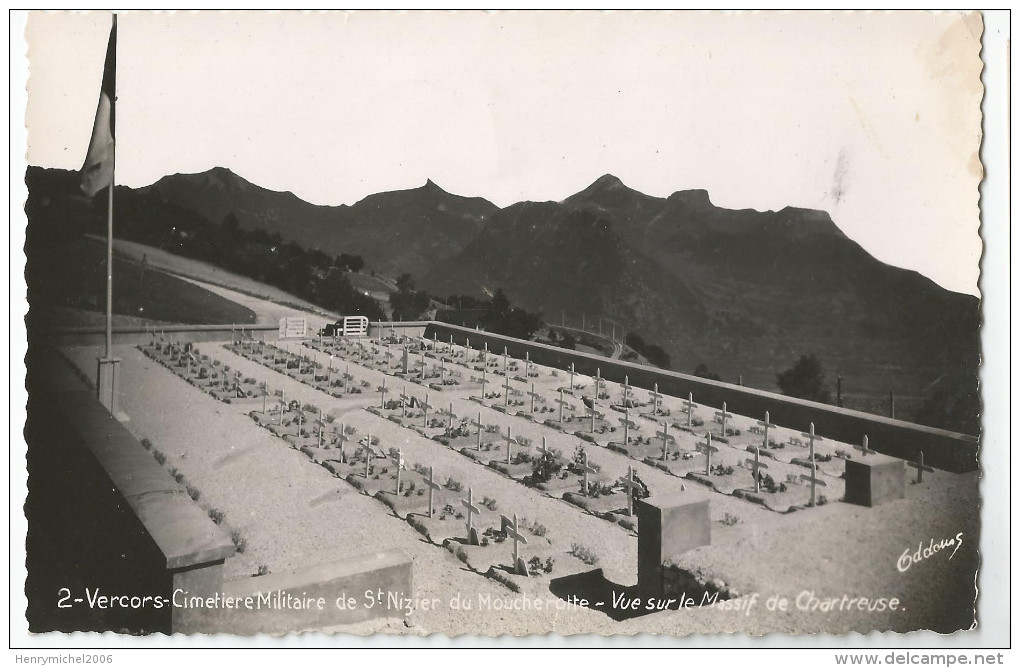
411,325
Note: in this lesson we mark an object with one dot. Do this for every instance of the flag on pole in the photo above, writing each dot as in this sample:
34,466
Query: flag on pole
97,172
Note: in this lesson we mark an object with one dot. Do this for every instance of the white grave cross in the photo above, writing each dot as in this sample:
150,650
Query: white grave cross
689,406
630,485
755,465
863,447
920,466
511,530
472,509
722,415
708,449
433,488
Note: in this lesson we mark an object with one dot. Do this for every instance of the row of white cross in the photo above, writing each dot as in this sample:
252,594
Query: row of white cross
688,405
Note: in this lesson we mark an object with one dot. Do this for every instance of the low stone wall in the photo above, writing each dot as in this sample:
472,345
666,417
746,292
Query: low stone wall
105,519
371,586
381,330
94,336
942,449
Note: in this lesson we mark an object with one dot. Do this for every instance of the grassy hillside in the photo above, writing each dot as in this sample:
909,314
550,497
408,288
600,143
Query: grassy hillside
72,276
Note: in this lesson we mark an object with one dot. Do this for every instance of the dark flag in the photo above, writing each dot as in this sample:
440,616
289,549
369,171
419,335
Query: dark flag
97,172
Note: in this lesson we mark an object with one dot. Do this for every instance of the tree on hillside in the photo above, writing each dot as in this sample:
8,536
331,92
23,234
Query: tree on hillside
805,380
654,354
408,303
503,318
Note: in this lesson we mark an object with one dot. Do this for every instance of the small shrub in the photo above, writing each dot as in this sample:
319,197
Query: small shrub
730,520
193,493
585,554
462,555
159,456
239,541
216,515
490,503
146,443
263,570
534,566
453,485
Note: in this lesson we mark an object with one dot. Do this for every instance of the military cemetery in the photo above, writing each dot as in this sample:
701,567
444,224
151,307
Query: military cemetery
384,417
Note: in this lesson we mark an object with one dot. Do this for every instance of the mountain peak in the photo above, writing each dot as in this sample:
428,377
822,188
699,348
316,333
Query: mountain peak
695,196
607,182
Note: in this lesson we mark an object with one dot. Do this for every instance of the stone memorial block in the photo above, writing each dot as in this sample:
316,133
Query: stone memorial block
875,479
669,525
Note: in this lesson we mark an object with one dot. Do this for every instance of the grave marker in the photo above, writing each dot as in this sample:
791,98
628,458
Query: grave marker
511,531
425,410
630,485
656,398
722,415
478,425
812,437
534,395
506,363
863,447
449,416
755,465
626,391
342,438
433,487
666,438
398,459
708,449
765,426
571,376
368,454
586,469
920,466
689,406
544,449
382,393
813,479
562,402
509,444
627,424
506,392
472,509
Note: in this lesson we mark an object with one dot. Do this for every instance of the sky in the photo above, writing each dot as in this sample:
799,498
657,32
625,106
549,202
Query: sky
873,117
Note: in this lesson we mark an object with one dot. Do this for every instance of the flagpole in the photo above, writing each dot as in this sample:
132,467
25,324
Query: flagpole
109,255
106,386
109,229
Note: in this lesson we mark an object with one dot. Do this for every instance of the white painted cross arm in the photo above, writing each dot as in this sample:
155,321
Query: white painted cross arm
469,505
921,467
813,479
509,527
707,448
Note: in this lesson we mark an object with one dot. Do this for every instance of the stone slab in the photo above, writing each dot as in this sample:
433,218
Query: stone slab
875,479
